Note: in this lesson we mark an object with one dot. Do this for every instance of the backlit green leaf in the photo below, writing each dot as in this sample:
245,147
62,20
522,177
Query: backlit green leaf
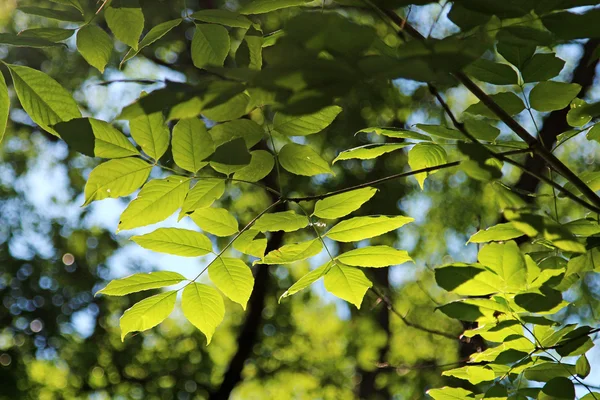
223,17
45,100
71,3
126,21
157,200
343,204
287,221
203,306
450,393
248,244
374,256
139,282
347,283
360,228
210,45
542,67
202,195
506,260
546,371
302,125
496,233
307,280
176,241
261,163
368,151
397,133
517,55
151,133
265,6
481,129
468,280
51,34
94,137
116,178
4,106
510,102
550,96
441,132
302,160
233,278
217,221
191,144
94,45
152,36
147,313
492,72
247,129
291,253
475,374
582,367
425,155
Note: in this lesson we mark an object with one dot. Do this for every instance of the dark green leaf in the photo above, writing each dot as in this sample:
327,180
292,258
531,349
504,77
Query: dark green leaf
582,367
492,72
550,96
569,26
542,67
559,388
210,45
9,39
51,34
61,15
515,54
509,101
265,6
222,17
233,153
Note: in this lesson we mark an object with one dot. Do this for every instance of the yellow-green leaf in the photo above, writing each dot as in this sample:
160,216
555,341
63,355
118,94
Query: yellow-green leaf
233,278
550,95
265,6
202,195
495,233
203,306
222,17
374,256
302,125
152,36
261,163
343,204
157,200
177,241
248,244
506,260
151,133
302,160
307,280
368,151
210,45
139,282
4,106
147,313
125,22
360,228
291,253
347,283
217,221
94,45
116,178
425,155
475,374
191,144
287,221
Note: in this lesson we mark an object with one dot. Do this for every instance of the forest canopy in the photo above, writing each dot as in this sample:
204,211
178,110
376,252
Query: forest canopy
334,199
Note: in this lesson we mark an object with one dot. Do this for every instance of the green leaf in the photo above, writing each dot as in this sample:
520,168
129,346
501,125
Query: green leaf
157,200
582,367
542,67
594,133
261,164
307,280
10,39
147,313
156,33
492,72
191,144
151,133
441,132
203,306
395,133
51,34
247,244
568,26
539,300
139,282
475,374
579,114
450,393
116,178
202,195
496,233
347,283
517,55
550,96
60,15
343,204
583,227
291,253
233,153
4,106
559,388
210,45
360,228
176,241
287,221
233,108
507,261
247,129
368,151
468,280
425,155
43,99
94,137
217,221
95,46
374,256
303,125
510,102
481,130
302,160
249,53
265,6
126,21
71,3
590,178
222,17
233,278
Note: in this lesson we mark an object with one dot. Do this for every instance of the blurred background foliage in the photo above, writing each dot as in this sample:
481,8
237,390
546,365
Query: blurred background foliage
58,341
